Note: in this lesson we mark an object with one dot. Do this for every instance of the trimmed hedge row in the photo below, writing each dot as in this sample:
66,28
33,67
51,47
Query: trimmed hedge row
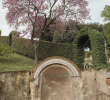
47,49
74,52
4,39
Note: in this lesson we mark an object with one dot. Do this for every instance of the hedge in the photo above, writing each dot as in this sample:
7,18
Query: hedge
97,48
4,39
74,52
47,49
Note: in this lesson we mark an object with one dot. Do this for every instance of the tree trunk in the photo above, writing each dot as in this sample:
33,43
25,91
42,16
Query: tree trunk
36,54
36,46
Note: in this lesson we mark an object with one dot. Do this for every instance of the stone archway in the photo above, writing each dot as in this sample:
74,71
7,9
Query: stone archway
53,78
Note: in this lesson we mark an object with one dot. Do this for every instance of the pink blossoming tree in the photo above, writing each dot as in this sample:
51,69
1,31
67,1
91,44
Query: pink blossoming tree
39,15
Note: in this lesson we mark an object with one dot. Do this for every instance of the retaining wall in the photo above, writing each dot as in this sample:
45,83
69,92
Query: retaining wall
91,85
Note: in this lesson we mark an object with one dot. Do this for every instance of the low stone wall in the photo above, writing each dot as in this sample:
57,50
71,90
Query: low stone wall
93,85
14,85
90,86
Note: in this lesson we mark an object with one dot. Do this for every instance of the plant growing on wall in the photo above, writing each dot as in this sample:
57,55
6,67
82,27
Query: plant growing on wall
32,80
39,15
23,81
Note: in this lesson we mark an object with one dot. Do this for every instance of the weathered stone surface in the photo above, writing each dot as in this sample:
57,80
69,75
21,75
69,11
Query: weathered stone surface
12,88
90,86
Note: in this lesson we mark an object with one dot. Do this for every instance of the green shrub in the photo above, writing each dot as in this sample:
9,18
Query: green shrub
31,79
23,81
5,50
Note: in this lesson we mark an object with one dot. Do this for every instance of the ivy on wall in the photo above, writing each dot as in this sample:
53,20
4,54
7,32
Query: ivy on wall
97,48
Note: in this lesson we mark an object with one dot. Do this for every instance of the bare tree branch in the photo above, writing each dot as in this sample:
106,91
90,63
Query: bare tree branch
51,7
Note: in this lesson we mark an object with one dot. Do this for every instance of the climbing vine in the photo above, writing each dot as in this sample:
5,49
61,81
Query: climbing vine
97,48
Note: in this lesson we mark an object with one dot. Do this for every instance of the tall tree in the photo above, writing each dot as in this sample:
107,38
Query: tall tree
39,15
68,35
107,32
106,13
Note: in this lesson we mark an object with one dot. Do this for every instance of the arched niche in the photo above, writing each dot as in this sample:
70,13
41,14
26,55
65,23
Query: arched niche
69,65
54,78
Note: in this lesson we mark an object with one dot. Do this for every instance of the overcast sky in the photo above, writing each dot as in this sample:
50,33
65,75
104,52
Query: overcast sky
96,6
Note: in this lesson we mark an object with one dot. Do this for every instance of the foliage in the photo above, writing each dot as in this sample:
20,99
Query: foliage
69,35
28,13
12,34
10,39
3,39
108,65
5,50
48,36
47,49
88,53
22,81
32,79
106,13
0,32
107,31
96,26
39,15
23,48
66,37
97,48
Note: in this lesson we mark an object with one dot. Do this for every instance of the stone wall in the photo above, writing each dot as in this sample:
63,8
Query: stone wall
14,85
107,52
93,85
90,86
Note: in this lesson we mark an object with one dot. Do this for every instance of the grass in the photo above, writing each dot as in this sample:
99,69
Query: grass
15,62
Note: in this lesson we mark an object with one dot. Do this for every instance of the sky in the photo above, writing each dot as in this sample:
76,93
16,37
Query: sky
96,7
